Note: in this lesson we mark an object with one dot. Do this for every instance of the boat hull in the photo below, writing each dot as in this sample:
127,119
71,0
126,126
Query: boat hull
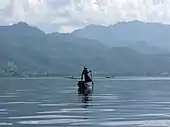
84,88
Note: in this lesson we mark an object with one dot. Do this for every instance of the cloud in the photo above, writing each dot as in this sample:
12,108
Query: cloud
67,15
4,3
111,11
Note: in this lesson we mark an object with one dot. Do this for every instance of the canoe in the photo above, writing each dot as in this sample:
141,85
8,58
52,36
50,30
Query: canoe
72,77
84,88
109,76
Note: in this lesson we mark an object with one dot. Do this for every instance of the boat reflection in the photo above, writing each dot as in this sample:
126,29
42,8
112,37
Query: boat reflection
84,93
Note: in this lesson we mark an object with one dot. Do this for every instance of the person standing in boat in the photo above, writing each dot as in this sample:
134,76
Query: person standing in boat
86,76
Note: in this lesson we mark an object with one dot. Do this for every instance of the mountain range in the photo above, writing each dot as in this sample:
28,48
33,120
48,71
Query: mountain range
140,36
126,48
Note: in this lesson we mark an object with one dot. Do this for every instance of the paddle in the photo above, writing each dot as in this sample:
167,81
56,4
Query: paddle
92,80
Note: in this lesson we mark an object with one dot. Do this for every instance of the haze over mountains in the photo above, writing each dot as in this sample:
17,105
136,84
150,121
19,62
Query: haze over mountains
135,34
127,48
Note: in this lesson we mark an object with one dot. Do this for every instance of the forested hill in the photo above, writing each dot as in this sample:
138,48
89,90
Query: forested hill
26,50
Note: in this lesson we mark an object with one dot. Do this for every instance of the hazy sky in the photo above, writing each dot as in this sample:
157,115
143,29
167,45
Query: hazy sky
67,15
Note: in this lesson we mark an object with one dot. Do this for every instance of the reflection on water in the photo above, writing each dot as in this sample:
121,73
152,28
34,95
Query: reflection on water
85,97
56,102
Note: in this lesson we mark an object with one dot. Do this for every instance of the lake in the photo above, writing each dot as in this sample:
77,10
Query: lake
50,102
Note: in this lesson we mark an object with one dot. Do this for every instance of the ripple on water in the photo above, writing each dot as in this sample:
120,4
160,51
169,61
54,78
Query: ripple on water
147,123
53,105
3,110
152,115
67,91
107,110
16,93
27,90
84,123
50,112
9,103
9,96
64,111
125,107
46,117
6,124
75,109
59,105
106,97
3,113
52,121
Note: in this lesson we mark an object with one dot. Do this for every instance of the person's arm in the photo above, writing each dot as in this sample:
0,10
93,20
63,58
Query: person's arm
89,71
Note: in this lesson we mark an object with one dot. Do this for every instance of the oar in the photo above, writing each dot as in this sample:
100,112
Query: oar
92,81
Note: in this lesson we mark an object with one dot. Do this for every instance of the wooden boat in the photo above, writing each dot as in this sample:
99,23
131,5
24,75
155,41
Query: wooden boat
84,88
72,77
109,76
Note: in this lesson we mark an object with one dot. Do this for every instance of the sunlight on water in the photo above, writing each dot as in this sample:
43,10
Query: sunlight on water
53,121
8,96
5,124
45,116
147,123
10,103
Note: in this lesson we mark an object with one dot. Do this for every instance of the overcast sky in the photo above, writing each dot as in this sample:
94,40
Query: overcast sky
67,15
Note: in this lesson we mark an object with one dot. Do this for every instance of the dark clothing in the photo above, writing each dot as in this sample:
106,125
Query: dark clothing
86,77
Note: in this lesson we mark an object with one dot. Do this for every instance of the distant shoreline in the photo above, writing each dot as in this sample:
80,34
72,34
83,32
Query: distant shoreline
77,78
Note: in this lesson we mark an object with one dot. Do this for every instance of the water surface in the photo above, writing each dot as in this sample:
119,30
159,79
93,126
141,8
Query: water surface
127,102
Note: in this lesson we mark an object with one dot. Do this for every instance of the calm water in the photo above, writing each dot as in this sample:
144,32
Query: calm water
55,103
